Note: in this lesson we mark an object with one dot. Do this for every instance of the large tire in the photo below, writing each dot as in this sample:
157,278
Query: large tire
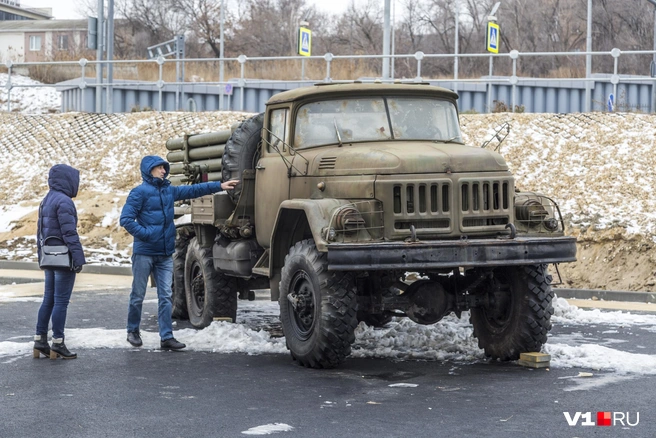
519,318
208,292
179,256
240,152
320,327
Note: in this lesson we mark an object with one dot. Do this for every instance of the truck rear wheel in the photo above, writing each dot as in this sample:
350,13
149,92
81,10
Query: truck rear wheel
519,315
317,308
240,152
179,256
208,291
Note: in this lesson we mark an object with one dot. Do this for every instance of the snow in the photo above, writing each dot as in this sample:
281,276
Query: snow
9,214
449,341
29,96
600,193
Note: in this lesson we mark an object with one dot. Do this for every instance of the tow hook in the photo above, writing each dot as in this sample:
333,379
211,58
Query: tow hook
513,230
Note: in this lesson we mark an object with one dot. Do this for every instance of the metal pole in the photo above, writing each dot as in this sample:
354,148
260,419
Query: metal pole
653,69
99,56
489,85
393,31
110,56
386,40
588,58
455,60
221,56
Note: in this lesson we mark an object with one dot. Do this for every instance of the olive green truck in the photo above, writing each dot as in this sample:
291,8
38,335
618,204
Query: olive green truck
361,203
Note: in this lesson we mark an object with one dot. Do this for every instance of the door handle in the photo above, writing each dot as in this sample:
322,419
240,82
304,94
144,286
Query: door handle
258,167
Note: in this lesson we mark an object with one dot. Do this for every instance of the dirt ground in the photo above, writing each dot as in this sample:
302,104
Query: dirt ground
599,167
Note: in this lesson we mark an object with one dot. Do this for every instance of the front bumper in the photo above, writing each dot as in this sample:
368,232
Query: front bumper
426,255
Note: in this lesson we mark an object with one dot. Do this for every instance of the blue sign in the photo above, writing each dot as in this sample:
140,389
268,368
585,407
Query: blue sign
304,41
227,89
611,102
492,37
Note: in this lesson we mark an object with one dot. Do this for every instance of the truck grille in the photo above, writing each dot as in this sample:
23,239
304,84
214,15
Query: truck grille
485,203
425,206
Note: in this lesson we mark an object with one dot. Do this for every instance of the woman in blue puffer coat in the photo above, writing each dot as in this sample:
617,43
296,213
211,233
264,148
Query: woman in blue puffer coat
58,220
148,216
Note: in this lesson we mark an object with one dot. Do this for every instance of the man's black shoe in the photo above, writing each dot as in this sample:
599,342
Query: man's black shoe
171,344
134,339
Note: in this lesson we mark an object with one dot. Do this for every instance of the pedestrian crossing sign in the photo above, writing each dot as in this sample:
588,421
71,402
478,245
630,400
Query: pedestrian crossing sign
304,41
493,36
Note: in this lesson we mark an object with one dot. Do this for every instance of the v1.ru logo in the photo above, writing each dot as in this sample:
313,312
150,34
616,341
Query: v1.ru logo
603,419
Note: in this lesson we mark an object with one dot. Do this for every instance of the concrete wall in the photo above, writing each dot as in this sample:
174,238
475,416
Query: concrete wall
529,95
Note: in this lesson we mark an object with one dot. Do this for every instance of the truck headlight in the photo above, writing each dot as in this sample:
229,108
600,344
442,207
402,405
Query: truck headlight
349,219
531,212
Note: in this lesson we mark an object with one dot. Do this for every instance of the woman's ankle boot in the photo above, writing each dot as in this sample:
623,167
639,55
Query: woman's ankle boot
58,349
41,346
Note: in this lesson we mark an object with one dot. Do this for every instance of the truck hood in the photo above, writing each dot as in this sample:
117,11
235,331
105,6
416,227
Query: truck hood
403,158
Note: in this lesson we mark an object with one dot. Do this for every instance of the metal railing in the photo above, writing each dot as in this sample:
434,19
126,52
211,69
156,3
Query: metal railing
178,88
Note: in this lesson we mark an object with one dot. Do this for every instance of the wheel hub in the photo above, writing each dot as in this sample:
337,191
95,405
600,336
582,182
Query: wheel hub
301,299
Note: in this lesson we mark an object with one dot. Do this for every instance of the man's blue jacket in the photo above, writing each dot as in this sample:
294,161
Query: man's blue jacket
148,211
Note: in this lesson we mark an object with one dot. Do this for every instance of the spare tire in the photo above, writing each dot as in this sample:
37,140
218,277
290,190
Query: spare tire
240,152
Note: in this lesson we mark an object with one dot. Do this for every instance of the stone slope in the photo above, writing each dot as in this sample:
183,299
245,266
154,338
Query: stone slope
597,166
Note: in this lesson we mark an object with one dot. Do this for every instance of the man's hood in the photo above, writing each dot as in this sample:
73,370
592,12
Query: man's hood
148,163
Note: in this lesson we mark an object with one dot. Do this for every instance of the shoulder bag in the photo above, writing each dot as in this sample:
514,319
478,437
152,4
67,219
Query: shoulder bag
52,256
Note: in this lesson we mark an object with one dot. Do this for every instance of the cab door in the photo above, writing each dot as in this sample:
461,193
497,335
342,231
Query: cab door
271,176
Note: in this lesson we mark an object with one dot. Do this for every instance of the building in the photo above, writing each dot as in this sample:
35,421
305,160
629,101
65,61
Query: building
10,10
42,40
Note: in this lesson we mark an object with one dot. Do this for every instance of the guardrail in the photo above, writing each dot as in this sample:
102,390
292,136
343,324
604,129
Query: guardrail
477,94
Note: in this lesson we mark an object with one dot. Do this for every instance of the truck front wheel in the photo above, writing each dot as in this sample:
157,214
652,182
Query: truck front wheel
208,292
518,316
317,308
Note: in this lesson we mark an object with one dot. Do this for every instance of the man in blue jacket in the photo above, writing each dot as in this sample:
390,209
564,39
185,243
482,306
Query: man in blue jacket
148,216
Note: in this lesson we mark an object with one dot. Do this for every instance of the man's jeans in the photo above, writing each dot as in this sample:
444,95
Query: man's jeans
162,269
56,296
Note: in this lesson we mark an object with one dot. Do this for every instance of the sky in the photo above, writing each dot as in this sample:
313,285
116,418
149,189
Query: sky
68,9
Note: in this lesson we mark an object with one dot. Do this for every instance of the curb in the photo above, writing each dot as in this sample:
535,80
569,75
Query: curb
606,295
86,269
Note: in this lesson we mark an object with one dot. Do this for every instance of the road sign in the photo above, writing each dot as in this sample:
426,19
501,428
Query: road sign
492,37
611,102
304,41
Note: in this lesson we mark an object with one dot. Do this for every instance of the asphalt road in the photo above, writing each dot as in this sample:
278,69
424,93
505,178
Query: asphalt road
135,393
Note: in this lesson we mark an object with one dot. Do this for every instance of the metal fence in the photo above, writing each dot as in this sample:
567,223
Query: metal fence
482,95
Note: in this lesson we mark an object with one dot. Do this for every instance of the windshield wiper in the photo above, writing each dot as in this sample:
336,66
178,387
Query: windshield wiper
451,140
339,137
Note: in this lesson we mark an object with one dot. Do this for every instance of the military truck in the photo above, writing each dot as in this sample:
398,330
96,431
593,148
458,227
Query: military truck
358,203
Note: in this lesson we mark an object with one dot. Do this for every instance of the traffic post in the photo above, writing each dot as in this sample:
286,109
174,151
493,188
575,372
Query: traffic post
304,44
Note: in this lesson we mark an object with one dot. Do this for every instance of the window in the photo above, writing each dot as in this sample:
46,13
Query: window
278,123
62,41
35,43
376,119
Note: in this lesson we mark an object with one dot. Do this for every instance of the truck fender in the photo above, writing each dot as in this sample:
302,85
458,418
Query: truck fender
298,219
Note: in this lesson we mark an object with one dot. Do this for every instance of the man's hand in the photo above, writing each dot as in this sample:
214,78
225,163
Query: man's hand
229,185
77,269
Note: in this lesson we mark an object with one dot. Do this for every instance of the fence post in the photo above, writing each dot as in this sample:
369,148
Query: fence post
328,57
83,82
514,54
160,82
242,81
419,56
8,84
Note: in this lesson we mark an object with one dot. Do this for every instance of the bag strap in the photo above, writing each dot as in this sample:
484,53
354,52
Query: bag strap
40,225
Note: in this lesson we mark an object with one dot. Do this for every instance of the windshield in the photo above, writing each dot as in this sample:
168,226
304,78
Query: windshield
373,119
